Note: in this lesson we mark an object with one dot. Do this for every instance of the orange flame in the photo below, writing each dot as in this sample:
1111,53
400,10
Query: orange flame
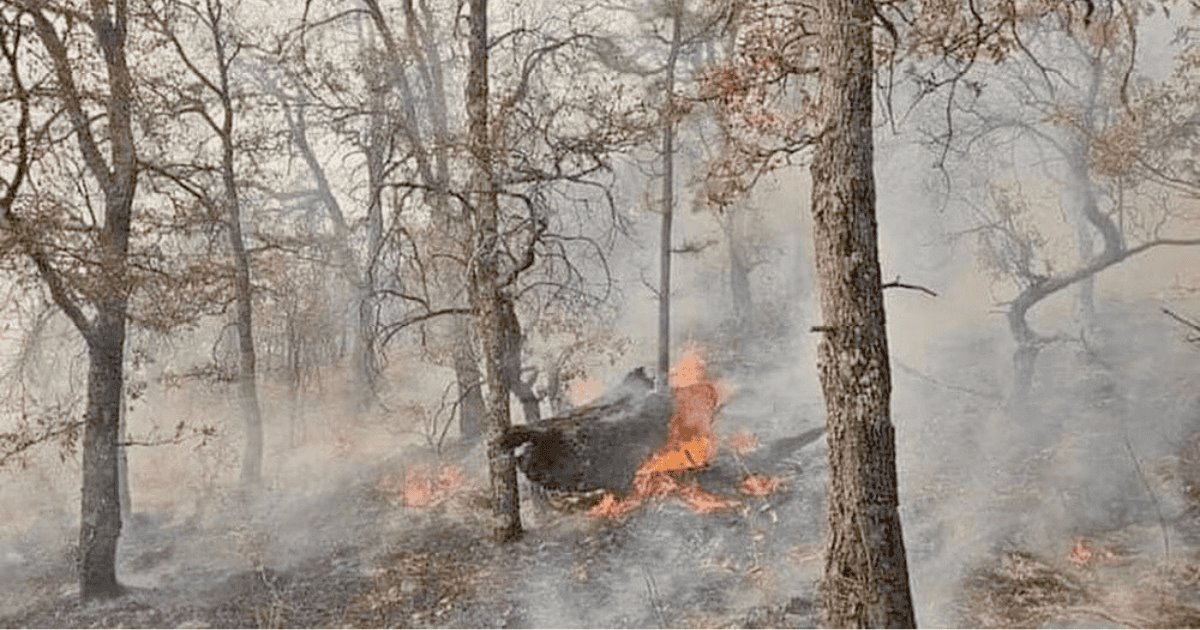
757,485
742,443
423,486
1080,553
690,444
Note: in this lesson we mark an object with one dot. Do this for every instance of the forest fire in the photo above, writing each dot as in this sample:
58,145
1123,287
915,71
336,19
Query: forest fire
691,444
422,486
760,485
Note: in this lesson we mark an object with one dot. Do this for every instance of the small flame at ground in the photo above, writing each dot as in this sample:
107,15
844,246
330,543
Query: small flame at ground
1084,552
742,443
423,486
757,485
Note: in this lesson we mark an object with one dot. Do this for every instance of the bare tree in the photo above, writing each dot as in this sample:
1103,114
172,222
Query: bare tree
1081,134
488,300
100,313
223,49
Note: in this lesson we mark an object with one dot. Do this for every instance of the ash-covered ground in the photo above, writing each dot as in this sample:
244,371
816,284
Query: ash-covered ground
1079,515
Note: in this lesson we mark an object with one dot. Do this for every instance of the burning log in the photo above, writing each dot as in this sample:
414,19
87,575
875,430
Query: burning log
635,443
598,446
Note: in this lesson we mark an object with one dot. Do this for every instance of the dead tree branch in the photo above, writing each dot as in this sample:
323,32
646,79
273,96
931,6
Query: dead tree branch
896,284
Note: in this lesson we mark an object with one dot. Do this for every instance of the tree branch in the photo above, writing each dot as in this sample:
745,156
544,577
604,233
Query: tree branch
896,284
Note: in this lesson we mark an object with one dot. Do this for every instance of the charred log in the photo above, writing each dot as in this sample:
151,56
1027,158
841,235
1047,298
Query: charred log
596,447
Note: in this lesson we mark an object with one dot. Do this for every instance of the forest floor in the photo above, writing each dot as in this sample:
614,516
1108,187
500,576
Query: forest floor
349,552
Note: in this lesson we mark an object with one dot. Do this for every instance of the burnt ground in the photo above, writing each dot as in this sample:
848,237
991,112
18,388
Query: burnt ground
347,552
1060,530
371,563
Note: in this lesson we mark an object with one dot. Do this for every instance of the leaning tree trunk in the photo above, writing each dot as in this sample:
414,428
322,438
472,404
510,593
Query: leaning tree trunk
100,524
866,573
484,282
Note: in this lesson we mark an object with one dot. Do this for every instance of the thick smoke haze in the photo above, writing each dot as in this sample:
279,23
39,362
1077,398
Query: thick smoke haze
1090,460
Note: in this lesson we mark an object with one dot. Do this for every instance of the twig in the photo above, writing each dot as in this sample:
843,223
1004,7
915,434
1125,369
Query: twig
974,392
693,247
1162,522
1095,611
896,284
203,433
15,444
652,592
1182,320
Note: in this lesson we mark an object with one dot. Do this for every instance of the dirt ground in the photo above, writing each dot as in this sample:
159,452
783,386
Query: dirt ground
993,541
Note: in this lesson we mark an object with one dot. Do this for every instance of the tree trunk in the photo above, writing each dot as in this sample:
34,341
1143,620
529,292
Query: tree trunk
1083,205
470,384
668,201
100,510
1024,368
247,370
247,379
366,367
484,282
123,463
100,505
866,573
739,270
514,342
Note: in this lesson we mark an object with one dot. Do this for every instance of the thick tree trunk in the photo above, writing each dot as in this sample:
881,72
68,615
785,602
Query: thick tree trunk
484,282
100,505
100,509
866,573
668,201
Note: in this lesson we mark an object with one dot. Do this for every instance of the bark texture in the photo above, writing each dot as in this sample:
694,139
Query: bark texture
488,299
866,574
100,504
